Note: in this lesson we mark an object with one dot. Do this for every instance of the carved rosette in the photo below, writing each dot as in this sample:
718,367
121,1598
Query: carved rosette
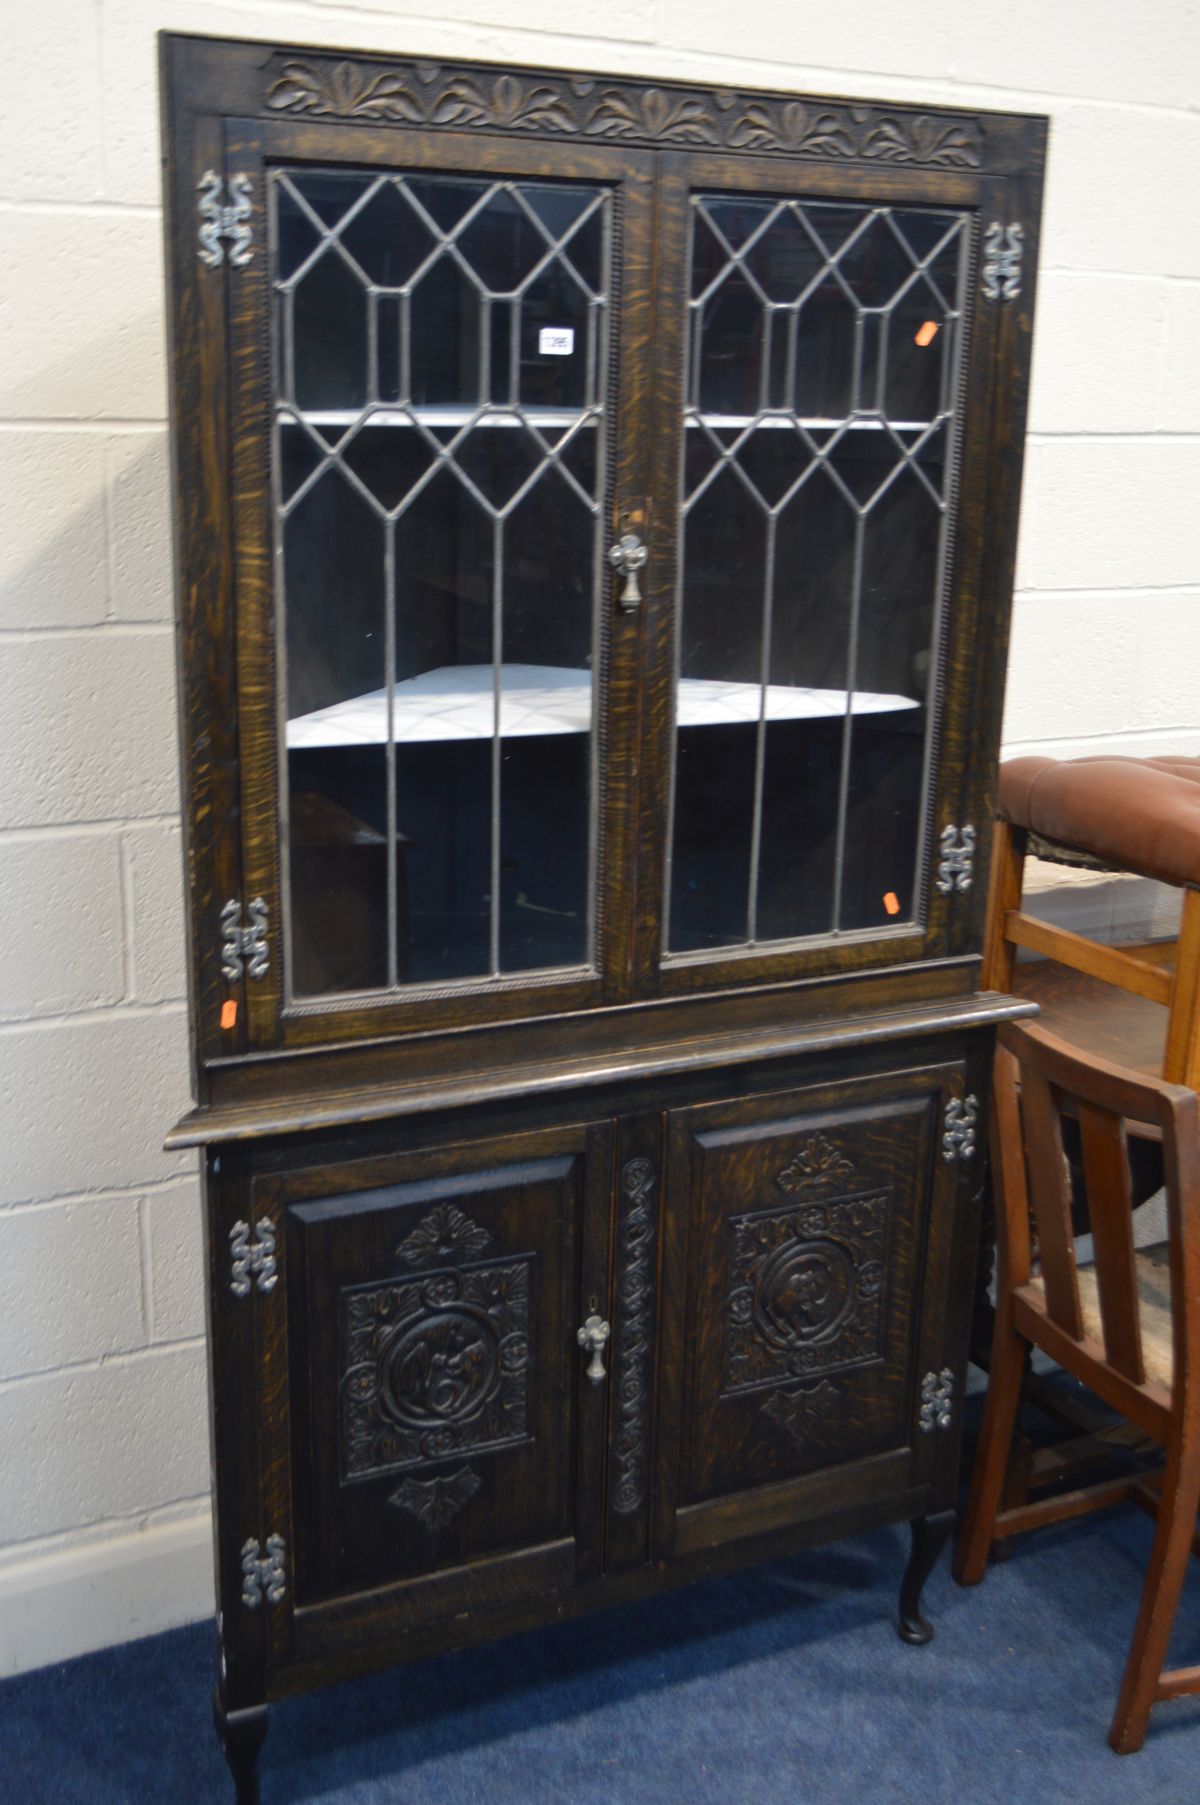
806,1290
430,94
817,1161
445,1234
631,1359
435,1367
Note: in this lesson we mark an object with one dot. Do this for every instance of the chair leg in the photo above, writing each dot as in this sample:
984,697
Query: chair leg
991,1456
1015,1491
1178,1504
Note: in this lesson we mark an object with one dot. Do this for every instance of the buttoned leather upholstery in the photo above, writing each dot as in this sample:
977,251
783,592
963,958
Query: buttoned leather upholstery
1137,814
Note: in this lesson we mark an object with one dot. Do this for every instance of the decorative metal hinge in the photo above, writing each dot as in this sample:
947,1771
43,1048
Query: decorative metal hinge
224,219
263,1575
253,1262
958,1128
956,865
1003,246
244,944
937,1400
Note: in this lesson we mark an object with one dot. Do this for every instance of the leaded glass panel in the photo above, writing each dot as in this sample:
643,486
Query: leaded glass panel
440,371
821,426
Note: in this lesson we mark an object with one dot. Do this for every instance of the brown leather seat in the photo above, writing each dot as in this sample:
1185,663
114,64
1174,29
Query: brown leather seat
1137,814
1126,814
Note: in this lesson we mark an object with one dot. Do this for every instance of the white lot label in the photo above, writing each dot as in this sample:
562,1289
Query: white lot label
556,341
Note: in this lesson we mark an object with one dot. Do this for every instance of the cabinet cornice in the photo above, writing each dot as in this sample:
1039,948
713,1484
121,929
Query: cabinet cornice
622,109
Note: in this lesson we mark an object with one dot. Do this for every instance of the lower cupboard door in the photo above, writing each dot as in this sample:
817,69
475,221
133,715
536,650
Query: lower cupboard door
808,1254
433,1440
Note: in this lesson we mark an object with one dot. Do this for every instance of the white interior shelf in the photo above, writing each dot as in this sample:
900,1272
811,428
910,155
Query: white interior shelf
499,415
457,702
495,414
787,422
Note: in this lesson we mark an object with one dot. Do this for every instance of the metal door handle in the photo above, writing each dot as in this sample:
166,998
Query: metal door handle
593,1336
629,555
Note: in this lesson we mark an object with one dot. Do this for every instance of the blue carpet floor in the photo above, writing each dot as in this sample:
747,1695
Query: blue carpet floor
781,1686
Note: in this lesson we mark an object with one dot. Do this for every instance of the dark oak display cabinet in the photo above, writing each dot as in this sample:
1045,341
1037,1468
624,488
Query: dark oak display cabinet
596,502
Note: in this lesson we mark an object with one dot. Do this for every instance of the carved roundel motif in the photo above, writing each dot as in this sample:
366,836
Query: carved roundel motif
437,1366
441,1370
807,1288
805,1293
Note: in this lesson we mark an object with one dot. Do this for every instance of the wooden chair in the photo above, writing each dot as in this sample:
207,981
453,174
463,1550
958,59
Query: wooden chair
1129,1327
1138,1005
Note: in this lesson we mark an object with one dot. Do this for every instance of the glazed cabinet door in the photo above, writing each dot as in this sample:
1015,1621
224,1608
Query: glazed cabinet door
831,502
433,1429
808,1263
438,350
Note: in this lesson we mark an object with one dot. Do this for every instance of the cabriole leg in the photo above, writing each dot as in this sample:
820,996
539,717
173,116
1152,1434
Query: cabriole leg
241,1735
928,1539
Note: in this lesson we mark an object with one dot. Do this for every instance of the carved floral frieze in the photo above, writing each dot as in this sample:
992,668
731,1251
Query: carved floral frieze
429,94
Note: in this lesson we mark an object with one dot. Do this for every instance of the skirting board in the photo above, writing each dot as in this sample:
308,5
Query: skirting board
116,1588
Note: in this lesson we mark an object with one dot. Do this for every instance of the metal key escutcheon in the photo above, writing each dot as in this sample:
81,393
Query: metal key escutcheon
593,1336
629,555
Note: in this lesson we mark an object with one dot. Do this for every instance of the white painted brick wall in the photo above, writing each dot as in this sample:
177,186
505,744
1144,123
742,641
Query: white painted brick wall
101,1358
81,324
63,947
1108,513
1084,326
85,721
53,530
1180,384
101,1439
84,1101
153,860
174,1245
139,568
88,1261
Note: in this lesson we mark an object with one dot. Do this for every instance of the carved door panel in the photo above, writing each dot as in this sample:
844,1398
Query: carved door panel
817,1226
442,1426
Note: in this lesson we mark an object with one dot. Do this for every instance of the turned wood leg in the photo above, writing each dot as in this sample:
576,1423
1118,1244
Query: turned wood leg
929,1536
241,1735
